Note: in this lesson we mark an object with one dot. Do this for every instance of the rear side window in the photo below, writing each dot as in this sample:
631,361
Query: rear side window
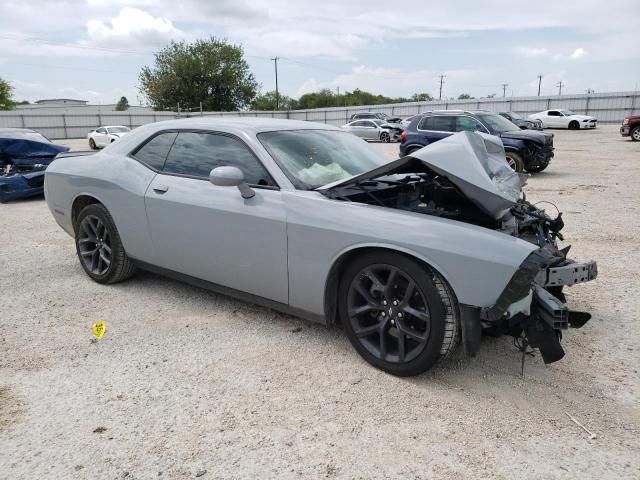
438,123
196,154
154,152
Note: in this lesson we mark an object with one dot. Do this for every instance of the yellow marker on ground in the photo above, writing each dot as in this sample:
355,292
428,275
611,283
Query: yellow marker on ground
99,329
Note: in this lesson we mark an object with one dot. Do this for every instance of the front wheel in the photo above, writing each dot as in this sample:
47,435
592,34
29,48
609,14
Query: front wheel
397,313
385,137
574,125
537,168
515,161
635,134
99,247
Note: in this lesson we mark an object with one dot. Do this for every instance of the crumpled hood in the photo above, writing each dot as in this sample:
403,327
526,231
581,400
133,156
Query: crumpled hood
474,162
533,135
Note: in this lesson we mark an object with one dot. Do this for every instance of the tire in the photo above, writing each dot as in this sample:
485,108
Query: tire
515,161
385,137
635,134
574,125
410,150
99,247
405,338
537,168
92,144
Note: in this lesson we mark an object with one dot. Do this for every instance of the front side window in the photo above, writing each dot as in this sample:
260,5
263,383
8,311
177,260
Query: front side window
101,130
155,151
313,158
567,113
195,154
468,124
437,123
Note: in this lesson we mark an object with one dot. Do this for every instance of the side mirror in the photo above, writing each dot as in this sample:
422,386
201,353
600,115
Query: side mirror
231,177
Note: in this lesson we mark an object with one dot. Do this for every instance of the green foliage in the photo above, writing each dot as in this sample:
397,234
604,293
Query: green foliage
122,105
465,96
327,98
211,71
267,101
6,102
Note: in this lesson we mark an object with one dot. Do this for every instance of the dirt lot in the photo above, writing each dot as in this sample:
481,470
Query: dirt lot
187,383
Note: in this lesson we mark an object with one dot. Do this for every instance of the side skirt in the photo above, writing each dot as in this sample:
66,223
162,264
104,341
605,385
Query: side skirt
231,292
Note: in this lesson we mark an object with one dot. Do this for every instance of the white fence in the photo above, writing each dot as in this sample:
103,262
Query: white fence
606,107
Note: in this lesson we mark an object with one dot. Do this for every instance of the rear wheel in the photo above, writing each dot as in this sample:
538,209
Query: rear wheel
92,144
574,125
99,247
385,137
410,150
635,134
398,314
515,161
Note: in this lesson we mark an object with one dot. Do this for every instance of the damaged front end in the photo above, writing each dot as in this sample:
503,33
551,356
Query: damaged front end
466,178
22,166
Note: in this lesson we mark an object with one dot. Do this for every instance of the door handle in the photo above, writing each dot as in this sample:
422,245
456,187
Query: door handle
160,189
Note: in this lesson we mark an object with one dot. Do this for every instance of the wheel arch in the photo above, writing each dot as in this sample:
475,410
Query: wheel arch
342,260
79,202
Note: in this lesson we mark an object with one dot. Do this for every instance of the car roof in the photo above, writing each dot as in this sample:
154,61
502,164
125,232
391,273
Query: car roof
246,124
17,130
114,126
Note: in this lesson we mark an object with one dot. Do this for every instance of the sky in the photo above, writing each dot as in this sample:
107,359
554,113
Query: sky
94,49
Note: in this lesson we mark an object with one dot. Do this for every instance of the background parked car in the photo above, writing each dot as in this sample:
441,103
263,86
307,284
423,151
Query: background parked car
631,127
103,136
564,119
24,156
522,122
374,115
372,130
526,150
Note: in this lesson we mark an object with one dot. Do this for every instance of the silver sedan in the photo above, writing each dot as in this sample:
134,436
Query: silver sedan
408,257
370,130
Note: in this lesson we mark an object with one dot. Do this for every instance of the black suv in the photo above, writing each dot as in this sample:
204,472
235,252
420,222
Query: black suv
526,150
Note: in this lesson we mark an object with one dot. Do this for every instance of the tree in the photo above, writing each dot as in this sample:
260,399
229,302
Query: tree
211,71
122,105
267,101
465,96
421,97
6,103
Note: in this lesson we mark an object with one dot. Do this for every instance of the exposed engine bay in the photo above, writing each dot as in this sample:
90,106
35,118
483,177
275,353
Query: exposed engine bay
482,190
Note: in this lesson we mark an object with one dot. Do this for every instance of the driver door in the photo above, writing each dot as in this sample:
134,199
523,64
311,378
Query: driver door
211,232
554,119
101,137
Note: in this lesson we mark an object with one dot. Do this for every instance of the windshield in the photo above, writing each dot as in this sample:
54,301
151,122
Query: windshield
378,122
382,116
118,129
567,113
497,123
313,158
515,116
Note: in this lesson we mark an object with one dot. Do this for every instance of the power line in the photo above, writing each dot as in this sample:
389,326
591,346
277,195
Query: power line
442,77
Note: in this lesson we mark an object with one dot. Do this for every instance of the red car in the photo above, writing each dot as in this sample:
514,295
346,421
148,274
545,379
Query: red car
631,127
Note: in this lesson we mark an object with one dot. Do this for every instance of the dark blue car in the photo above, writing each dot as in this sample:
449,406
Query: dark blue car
526,150
24,156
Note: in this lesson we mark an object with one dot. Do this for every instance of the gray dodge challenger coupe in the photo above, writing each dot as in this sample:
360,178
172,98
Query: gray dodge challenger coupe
409,257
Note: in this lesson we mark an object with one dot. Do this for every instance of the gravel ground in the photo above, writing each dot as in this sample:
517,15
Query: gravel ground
187,383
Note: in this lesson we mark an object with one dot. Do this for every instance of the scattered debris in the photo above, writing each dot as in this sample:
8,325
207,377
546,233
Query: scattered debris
355,380
200,473
296,329
100,430
592,436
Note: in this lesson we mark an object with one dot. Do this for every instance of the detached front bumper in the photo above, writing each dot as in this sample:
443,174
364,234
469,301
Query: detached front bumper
532,304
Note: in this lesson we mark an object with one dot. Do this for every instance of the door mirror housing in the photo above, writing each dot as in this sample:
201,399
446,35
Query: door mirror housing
231,177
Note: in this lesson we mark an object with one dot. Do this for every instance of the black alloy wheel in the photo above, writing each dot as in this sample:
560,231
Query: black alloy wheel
393,313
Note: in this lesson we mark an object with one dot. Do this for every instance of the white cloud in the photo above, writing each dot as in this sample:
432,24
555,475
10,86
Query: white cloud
533,52
132,27
578,53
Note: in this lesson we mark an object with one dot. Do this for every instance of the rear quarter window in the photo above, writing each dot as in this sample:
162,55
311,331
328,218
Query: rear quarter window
154,152
438,123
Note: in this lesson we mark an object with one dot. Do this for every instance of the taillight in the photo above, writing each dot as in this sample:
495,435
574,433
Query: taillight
403,136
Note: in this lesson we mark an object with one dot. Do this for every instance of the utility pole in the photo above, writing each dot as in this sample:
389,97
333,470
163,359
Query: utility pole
442,77
504,89
559,85
275,61
539,83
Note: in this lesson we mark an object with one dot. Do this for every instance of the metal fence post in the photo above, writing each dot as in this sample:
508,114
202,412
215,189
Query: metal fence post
99,120
306,115
548,103
64,125
325,116
22,121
